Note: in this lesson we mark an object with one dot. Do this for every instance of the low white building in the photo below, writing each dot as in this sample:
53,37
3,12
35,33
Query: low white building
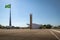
35,26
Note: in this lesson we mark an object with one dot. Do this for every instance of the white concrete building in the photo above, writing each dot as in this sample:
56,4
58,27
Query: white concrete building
35,26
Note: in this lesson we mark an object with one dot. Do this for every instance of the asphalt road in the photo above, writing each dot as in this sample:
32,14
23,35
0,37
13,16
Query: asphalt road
27,34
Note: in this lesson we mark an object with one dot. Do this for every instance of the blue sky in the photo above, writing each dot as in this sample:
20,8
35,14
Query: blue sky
43,11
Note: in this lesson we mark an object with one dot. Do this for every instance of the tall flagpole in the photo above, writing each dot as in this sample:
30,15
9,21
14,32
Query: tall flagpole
10,19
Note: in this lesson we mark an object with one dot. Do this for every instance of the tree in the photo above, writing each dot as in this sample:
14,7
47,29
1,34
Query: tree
59,27
42,26
48,26
0,26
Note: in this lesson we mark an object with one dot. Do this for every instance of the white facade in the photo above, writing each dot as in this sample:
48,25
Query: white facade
35,26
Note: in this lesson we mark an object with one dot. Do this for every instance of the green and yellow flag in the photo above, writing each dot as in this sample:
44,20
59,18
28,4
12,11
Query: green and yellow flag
8,6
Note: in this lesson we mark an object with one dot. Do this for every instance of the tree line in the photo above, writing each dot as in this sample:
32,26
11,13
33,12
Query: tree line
7,27
48,26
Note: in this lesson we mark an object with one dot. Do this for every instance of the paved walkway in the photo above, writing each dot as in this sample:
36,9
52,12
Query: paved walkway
27,34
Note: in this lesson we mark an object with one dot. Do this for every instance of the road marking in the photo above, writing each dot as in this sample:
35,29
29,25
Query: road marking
54,35
55,30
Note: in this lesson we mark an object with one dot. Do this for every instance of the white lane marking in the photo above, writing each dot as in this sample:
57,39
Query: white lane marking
55,30
54,35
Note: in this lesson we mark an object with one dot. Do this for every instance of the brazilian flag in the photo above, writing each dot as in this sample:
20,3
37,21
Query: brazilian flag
8,6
